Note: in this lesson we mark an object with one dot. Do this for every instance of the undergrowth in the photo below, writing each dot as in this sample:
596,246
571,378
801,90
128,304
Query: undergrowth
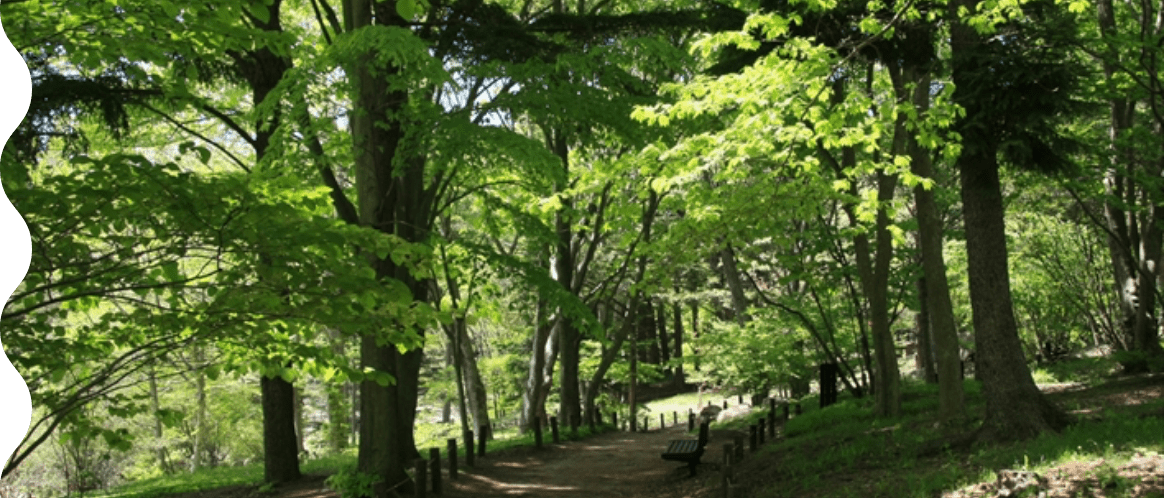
844,450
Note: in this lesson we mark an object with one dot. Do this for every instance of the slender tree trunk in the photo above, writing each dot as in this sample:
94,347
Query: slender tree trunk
628,324
199,413
477,395
338,406
297,406
532,403
337,418
924,358
161,452
648,346
1119,190
661,332
677,334
695,332
941,324
731,273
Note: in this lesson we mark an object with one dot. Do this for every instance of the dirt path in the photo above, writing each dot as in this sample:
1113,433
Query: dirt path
618,464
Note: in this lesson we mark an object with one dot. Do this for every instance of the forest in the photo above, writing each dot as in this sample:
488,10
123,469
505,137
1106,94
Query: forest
266,232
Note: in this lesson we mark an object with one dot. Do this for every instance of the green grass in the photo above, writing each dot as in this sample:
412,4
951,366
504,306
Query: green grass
211,478
845,438
898,454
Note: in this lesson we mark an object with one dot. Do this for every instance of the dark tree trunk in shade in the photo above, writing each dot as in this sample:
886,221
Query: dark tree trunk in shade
942,352
677,334
661,331
280,444
1015,408
924,357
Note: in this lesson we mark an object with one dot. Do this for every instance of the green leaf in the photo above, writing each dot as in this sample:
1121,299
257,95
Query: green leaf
170,271
407,8
259,10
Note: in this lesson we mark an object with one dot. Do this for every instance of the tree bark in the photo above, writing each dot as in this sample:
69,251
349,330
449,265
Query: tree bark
476,393
664,340
161,452
677,334
280,441
297,406
924,358
628,324
1015,408
532,402
731,274
393,198
942,328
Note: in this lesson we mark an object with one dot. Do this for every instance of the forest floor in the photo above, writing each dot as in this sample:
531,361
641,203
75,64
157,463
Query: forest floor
623,464
613,464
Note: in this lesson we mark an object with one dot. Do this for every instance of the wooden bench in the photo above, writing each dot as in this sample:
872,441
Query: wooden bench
687,450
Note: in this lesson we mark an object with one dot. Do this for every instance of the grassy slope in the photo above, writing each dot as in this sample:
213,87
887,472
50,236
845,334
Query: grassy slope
844,451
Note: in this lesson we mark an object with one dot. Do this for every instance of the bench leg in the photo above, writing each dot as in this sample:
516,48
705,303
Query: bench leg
691,467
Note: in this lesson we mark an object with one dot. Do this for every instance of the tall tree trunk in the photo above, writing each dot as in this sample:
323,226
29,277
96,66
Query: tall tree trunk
297,406
633,385
731,273
942,327
677,334
661,332
263,70
280,441
1119,189
875,280
695,332
532,403
199,411
628,323
647,339
338,406
1015,408
873,269
477,395
337,418
161,452
924,358
569,337
392,197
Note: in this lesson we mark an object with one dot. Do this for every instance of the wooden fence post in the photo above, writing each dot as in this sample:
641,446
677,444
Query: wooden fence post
554,428
614,420
420,479
752,438
469,448
739,448
662,421
452,458
434,461
727,470
690,422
